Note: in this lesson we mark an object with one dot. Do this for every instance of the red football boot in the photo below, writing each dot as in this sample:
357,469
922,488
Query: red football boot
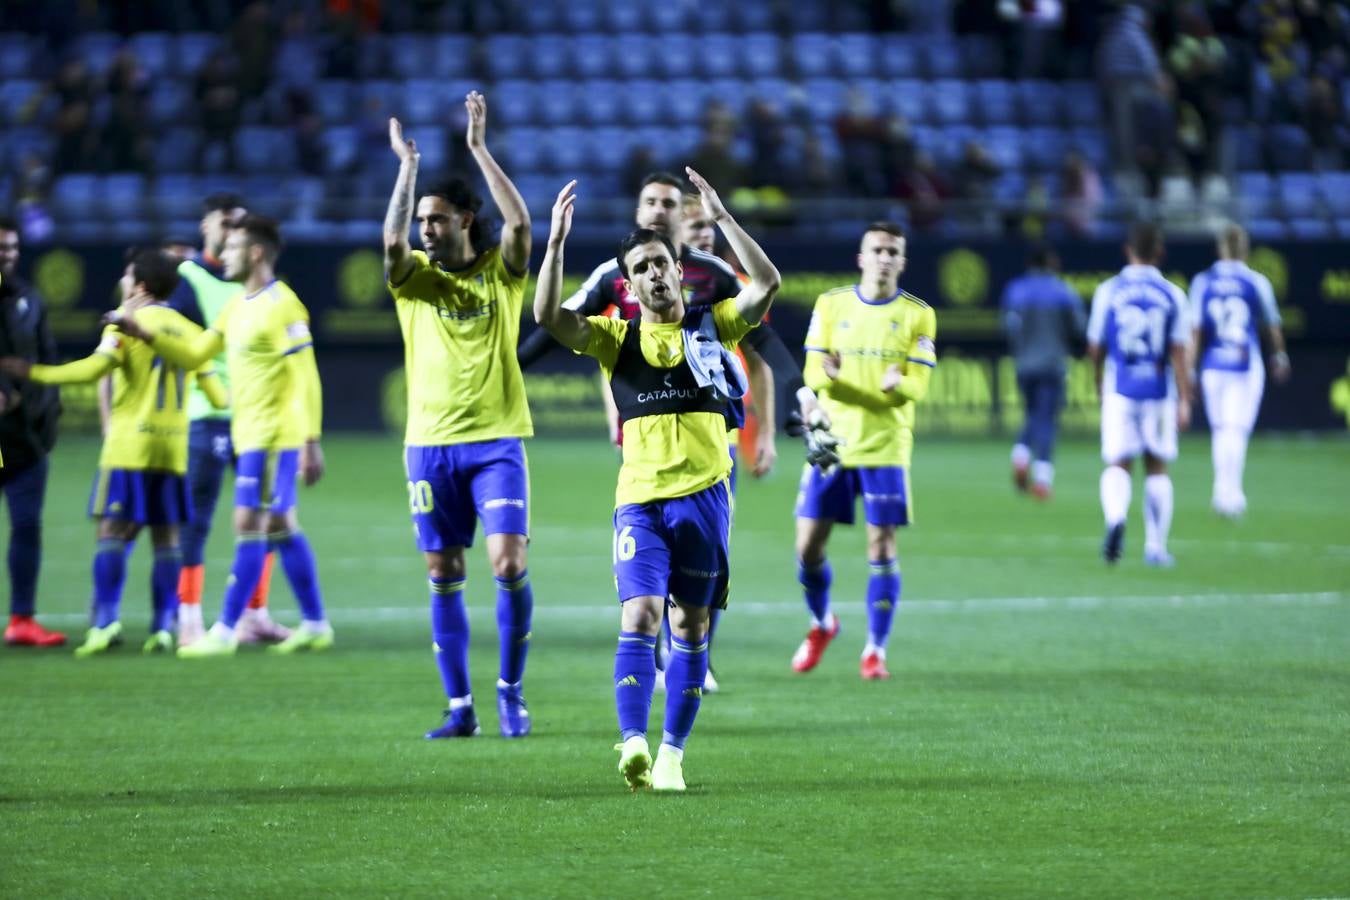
817,639
24,631
873,667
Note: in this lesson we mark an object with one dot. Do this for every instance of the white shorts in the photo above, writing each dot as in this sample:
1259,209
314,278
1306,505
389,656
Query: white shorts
1133,427
1233,399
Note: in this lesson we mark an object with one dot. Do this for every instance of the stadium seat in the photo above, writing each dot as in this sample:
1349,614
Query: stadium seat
97,49
343,145
169,102
825,97
1299,195
995,102
16,56
640,58
192,50
296,62
1288,148
621,17
857,56
559,102
262,149
426,101
981,56
686,101
452,56
1091,142
122,196
1045,148
719,55
74,196
1010,188
751,15
582,18
598,102
176,197
175,150
389,95
564,152
642,102
733,92
941,58
24,142
546,17
761,55
507,56
811,54
667,17
951,105
414,55
1343,228
433,144
608,148
1040,102
780,94
154,51
899,57
548,56
1006,145
1335,189
1267,229
1082,104
334,100
1311,229
593,55
513,102
909,98
15,96
1256,194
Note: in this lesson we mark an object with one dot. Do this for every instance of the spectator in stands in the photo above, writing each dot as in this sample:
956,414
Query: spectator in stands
923,191
975,175
641,162
1198,61
816,176
713,159
768,141
860,137
1154,132
1130,75
126,138
76,138
219,102
307,130
897,149
1324,119
1080,195
255,44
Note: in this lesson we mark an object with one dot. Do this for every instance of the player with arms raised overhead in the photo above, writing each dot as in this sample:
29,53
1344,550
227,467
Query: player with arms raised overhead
141,467
458,304
869,354
672,373
1229,303
1139,338
278,412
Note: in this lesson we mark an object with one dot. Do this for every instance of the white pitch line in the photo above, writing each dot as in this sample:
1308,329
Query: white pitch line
974,605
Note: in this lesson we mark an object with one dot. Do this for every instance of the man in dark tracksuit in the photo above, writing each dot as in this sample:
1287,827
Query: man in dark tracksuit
1044,319
28,414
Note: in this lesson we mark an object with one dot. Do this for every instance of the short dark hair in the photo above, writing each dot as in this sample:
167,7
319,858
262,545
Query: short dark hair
457,192
1146,241
665,178
9,223
155,269
892,228
262,230
222,200
1041,255
638,237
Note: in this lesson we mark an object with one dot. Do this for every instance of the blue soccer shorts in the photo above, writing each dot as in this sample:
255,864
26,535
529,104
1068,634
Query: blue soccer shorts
267,479
143,497
675,548
452,486
884,491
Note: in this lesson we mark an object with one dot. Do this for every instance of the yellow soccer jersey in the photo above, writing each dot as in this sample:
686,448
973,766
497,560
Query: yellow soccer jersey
667,456
877,427
271,409
148,425
460,331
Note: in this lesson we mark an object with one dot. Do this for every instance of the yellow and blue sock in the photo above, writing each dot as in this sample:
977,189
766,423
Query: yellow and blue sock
883,596
297,558
634,681
684,689
249,552
450,636
164,587
110,574
815,581
515,608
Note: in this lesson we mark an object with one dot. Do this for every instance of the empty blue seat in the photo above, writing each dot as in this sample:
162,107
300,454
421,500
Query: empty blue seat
676,65
334,101
155,52
175,150
297,62
549,57
582,18
75,194
599,102
508,56
776,92
170,102
1082,103
1310,229
720,55
640,58
343,143
176,197
1256,194
981,56
593,55
1007,146
1343,228
811,54
16,56
667,17
608,148
1010,188
388,95
452,56
899,57
1045,148
824,97
856,56
1335,189
1288,147
1041,102
623,17
259,149
996,102
751,15
433,144
425,101
687,100
412,56
513,102
15,97
643,102
559,102
522,150
761,55
97,49
122,195
941,58
950,102
909,98
1267,229
733,92
1299,194
543,16
192,50
564,151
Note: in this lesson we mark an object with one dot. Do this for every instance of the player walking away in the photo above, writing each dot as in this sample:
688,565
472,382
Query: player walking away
458,303
672,372
1043,319
1139,337
28,415
141,467
870,352
1229,302
201,296
278,409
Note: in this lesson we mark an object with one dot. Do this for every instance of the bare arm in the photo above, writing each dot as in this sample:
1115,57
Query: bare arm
569,328
763,391
1094,353
756,297
1279,357
1181,369
398,219
515,216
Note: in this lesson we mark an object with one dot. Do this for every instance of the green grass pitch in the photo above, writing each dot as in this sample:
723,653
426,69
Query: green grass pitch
1054,727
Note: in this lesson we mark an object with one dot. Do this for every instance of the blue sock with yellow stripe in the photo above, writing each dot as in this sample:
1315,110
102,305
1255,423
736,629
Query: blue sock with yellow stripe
684,689
634,681
249,552
815,581
515,607
164,587
450,636
883,596
297,558
110,573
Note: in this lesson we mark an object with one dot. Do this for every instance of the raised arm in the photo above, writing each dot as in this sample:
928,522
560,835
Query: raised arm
398,219
569,328
515,216
756,297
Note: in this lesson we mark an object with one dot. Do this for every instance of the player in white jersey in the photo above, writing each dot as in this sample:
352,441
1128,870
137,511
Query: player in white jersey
1230,306
1139,337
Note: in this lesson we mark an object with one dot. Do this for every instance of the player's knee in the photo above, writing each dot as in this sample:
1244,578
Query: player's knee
444,567
508,566
642,615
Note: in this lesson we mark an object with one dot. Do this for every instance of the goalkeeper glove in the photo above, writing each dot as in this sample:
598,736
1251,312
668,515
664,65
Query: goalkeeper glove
821,446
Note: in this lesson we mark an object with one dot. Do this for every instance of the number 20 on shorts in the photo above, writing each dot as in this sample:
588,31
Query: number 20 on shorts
419,496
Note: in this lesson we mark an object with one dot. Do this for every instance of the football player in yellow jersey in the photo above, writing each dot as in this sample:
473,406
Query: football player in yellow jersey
869,353
278,409
672,373
144,458
458,303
